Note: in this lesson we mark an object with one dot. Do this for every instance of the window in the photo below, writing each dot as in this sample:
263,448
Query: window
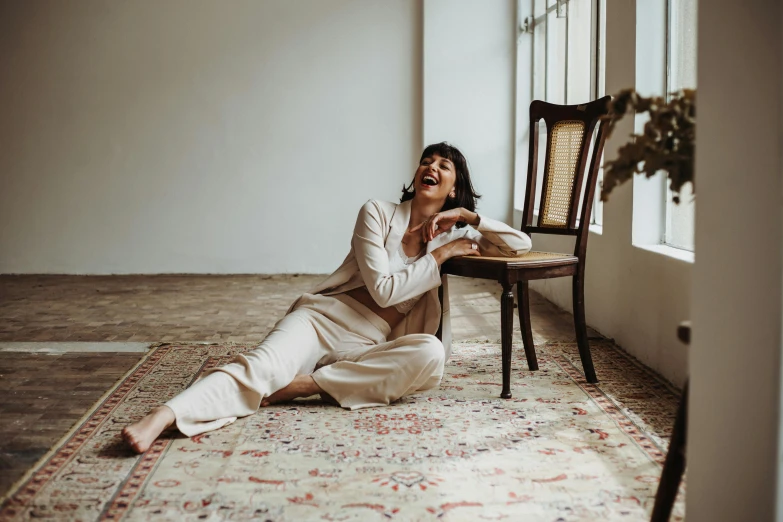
566,62
680,73
599,72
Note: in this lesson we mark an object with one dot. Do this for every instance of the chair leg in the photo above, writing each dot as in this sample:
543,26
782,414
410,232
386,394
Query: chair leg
506,330
581,326
673,468
523,299
439,333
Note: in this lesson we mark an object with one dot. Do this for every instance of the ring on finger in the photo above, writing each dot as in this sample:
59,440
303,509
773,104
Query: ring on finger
474,246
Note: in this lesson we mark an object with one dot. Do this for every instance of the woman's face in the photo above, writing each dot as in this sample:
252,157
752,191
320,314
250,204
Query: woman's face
435,178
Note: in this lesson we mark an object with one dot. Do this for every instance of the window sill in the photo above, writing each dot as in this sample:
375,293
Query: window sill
669,251
595,228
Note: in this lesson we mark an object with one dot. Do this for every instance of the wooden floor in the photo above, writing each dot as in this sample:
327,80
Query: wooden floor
43,395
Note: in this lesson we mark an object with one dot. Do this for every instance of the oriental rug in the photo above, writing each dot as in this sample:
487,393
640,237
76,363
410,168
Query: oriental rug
560,449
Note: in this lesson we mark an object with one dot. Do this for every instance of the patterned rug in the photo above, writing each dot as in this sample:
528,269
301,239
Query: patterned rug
560,449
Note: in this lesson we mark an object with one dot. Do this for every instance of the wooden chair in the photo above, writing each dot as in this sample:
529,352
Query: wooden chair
570,131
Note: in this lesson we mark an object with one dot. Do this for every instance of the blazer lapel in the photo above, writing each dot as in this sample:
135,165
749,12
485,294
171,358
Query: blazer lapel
398,226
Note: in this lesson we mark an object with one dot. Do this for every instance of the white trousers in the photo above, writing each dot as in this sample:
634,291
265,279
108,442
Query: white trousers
343,347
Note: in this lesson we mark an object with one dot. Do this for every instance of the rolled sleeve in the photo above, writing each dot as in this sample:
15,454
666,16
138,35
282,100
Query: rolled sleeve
498,239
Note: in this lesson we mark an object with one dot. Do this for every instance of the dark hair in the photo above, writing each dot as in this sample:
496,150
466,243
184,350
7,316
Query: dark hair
466,195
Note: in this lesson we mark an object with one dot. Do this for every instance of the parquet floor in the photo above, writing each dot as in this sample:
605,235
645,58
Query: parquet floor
42,395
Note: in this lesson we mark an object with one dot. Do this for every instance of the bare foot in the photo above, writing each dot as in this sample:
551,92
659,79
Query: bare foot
301,386
140,435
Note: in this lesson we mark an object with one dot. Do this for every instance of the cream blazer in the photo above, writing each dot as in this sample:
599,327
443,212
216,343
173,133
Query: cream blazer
377,236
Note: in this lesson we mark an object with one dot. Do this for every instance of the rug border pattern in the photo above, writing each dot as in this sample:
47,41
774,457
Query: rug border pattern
20,496
122,501
645,443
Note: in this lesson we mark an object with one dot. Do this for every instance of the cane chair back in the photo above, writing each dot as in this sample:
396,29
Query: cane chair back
562,159
569,175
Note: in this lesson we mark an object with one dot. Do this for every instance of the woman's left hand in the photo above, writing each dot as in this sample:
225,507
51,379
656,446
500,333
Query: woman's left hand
441,222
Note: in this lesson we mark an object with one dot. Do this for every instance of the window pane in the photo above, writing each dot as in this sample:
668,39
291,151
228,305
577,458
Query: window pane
580,14
539,50
682,44
600,90
601,51
541,160
556,58
598,205
679,220
682,74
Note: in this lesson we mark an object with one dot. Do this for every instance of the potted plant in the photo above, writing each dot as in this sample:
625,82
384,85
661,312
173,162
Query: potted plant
666,142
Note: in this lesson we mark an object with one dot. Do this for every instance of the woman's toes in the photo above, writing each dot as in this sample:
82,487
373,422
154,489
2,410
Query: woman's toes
130,440
134,440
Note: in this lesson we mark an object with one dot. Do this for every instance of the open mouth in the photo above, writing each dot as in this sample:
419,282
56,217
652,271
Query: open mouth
429,180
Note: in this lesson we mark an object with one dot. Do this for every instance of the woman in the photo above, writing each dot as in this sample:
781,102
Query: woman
364,336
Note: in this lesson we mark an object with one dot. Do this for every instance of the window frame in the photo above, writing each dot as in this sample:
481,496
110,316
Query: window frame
529,25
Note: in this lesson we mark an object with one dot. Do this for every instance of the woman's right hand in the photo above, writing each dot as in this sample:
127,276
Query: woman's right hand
458,247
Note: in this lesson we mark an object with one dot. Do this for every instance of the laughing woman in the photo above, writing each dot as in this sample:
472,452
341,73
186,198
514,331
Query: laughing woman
364,336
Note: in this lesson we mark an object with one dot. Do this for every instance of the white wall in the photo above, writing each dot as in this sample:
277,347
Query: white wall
201,136
469,77
734,414
634,293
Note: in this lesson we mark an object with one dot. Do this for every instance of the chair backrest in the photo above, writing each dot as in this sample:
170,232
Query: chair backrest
570,131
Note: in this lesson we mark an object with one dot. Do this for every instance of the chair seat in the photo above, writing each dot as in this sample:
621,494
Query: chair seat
529,260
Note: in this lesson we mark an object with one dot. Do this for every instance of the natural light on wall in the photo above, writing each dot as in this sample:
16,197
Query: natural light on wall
567,60
681,73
